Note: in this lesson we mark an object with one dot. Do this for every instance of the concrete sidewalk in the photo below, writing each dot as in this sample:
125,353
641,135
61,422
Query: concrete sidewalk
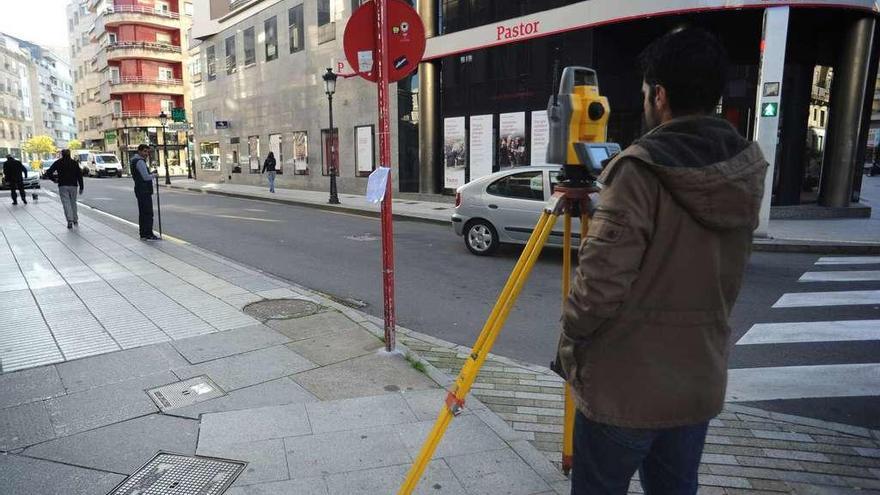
95,318
297,385
831,236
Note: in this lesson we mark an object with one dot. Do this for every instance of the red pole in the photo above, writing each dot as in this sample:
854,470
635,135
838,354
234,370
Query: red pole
385,161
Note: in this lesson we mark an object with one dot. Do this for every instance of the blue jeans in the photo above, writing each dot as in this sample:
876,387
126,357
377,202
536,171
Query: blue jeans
606,458
271,176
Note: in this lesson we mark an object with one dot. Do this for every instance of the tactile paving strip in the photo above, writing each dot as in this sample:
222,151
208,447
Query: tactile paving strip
177,474
185,393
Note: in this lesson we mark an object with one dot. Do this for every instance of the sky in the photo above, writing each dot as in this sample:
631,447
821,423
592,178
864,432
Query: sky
43,22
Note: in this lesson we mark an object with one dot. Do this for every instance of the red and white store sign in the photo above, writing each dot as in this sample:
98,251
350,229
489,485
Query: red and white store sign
597,12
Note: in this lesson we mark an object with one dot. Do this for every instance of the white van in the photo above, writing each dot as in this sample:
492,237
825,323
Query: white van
98,163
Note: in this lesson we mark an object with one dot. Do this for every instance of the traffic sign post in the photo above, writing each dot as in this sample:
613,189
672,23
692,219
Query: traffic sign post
379,34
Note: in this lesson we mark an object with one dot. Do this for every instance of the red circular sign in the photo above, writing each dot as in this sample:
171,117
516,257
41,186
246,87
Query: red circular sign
406,40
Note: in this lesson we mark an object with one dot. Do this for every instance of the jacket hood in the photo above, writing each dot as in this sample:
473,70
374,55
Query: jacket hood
711,171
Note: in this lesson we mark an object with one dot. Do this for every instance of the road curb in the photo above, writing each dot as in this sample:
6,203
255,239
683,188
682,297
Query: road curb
813,247
320,206
762,245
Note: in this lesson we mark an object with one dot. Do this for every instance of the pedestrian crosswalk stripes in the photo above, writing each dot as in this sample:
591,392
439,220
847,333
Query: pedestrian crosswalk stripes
812,331
803,382
842,276
822,380
849,260
832,298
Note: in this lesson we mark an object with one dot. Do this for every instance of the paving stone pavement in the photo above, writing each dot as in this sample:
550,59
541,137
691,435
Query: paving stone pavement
311,402
748,450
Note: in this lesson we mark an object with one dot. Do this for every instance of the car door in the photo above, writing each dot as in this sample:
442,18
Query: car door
514,203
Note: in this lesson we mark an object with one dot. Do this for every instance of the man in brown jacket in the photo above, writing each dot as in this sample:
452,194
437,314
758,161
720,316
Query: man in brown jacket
645,336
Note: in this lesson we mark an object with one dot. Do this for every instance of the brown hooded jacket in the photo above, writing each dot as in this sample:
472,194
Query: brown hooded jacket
645,333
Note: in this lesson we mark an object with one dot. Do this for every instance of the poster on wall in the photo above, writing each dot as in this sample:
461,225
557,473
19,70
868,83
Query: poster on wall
540,137
512,140
454,152
364,150
481,149
254,153
301,152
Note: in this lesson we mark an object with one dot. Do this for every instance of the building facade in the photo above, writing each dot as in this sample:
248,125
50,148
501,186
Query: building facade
17,90
135,73
260,89
54,104
89,109
477,102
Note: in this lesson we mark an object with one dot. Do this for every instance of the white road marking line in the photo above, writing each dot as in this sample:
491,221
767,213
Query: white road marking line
837,298
803,382
841,276
813,331
848,260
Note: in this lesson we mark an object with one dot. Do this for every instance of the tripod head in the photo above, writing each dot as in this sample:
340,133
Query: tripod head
578,116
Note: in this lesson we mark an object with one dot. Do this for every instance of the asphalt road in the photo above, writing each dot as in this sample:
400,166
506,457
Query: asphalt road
444,291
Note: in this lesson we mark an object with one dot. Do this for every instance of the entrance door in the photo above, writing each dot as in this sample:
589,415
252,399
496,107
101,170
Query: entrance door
162,7
163,38
166,74
114,75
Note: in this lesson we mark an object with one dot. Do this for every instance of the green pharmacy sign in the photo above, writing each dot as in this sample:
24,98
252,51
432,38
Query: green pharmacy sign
769,109
178,115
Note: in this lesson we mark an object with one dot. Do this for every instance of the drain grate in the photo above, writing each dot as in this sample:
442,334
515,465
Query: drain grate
178,474
281,309
185,393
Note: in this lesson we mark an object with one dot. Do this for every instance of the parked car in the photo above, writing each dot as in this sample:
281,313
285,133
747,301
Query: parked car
32,181
504,207
44,172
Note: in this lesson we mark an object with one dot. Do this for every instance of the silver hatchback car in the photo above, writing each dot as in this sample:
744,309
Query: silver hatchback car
505,206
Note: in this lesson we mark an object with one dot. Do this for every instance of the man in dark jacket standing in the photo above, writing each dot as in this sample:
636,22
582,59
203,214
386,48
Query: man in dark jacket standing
644,343
143,191
69,179
13,174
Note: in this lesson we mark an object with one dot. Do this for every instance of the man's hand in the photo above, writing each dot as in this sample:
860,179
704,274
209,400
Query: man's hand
80,190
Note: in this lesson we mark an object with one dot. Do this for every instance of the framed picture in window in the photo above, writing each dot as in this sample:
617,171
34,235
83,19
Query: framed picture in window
301,153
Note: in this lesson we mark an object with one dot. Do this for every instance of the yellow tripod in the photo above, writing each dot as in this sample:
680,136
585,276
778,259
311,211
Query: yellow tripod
568,199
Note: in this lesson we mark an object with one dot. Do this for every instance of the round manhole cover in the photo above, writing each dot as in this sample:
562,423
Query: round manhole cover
281,309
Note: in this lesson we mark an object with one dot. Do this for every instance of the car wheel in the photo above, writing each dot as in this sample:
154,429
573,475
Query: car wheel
481,238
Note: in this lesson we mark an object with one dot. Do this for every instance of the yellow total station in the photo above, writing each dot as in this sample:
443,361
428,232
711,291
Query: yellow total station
578,115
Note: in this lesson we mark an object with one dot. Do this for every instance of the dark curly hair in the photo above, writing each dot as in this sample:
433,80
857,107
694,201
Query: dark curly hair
691,64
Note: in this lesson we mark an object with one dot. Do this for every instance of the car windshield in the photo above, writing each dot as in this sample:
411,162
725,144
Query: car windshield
83,157
106,159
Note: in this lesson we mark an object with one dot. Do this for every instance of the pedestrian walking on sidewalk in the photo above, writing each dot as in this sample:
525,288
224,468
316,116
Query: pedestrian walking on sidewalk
644,339
269,170
14,174
143,191
69,180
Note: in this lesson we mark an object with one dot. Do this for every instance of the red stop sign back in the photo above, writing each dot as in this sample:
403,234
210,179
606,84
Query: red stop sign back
406,41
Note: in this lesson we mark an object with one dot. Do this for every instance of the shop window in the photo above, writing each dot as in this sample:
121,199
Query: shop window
230,55
329,152
211,63
250,49
270,27
254,154
300,147
295,28
276,148
209,155
235,155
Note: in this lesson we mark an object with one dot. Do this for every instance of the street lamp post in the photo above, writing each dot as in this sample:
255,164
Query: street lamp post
330,88
162,120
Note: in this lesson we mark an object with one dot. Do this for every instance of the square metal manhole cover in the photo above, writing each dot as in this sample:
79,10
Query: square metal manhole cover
185,393
178,474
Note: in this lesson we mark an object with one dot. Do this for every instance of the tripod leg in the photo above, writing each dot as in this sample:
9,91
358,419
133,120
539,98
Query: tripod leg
468,373
568,417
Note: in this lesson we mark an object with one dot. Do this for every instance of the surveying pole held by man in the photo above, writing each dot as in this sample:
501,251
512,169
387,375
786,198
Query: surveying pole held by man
143,191
644,342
